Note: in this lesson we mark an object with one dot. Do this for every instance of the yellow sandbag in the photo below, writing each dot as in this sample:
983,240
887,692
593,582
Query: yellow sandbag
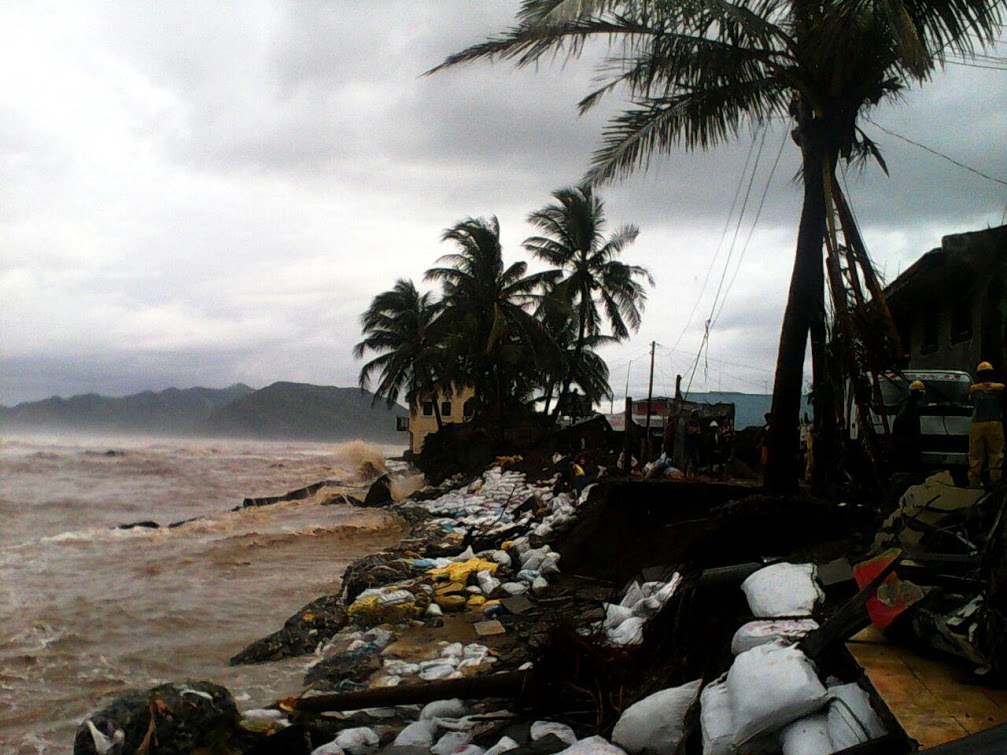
476,601
362,605
370,611
463,570
451,588
450,602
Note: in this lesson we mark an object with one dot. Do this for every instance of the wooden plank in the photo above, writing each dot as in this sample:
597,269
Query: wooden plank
934,702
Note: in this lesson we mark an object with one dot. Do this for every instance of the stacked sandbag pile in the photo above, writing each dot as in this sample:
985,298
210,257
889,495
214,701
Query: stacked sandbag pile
624,621
772,700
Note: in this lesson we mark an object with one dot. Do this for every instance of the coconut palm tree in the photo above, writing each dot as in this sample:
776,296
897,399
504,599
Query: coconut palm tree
493,336
596,285
698,71
400,326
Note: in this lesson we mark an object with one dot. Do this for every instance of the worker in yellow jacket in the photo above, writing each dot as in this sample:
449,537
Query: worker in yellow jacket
986,437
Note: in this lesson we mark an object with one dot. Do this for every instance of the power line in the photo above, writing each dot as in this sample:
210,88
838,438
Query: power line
755,222
720,244
938,154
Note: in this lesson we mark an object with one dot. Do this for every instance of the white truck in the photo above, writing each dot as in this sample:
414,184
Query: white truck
945,413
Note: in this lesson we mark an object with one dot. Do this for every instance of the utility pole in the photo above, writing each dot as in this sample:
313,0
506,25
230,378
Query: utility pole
650,396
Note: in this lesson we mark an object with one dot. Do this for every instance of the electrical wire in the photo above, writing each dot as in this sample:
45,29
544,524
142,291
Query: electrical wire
755,222
938,154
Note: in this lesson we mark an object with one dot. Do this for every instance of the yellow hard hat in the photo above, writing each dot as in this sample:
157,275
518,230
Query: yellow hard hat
984,367
917,385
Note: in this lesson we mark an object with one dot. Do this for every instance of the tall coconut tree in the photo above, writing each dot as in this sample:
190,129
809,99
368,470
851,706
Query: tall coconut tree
488,315
699,71
400,327
596,285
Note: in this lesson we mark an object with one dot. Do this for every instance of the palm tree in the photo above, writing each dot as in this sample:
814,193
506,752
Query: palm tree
400,326
493,335
697,71
596,283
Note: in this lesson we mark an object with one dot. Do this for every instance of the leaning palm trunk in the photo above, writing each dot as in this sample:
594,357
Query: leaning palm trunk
783,461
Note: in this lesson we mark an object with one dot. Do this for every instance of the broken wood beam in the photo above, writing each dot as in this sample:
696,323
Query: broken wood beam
510,684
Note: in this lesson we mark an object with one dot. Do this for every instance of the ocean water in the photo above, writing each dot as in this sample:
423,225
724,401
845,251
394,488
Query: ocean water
89,611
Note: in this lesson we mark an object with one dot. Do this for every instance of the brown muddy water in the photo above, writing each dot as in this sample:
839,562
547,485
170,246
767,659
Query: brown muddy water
88,611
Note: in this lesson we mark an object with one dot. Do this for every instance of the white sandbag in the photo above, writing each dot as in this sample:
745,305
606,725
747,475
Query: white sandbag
358,740
541,729
769,687
647,607
665,592
504,745
807,736
453,708
762,631
330,748
634,594
783,590
514,588
271,715
852,719
487,582
438,671
469,750
453,650
418,733
593,746
715,718
465,555
629,632
615,615
656,723
450,742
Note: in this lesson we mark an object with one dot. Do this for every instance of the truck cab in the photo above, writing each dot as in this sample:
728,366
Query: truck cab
945,413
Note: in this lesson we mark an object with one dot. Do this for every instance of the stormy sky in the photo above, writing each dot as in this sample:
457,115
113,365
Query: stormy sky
202,193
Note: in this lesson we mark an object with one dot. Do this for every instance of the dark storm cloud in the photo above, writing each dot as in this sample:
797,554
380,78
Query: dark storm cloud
236,182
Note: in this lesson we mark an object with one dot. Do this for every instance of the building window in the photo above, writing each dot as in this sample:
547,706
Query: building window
931,333
428,408
445,408
961,320
905,336
469,408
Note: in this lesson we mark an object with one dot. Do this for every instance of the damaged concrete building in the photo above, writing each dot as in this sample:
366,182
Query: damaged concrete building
950,306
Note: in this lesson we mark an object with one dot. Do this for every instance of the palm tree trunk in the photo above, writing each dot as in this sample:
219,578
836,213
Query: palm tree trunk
577,351
782,463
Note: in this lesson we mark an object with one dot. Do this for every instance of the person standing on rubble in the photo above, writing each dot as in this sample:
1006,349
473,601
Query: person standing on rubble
906,435
693,441
986,436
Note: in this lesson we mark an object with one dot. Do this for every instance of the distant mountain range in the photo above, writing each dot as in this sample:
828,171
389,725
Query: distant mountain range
279,411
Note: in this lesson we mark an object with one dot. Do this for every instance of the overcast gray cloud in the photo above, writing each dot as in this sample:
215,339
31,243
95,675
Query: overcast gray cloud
206,193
